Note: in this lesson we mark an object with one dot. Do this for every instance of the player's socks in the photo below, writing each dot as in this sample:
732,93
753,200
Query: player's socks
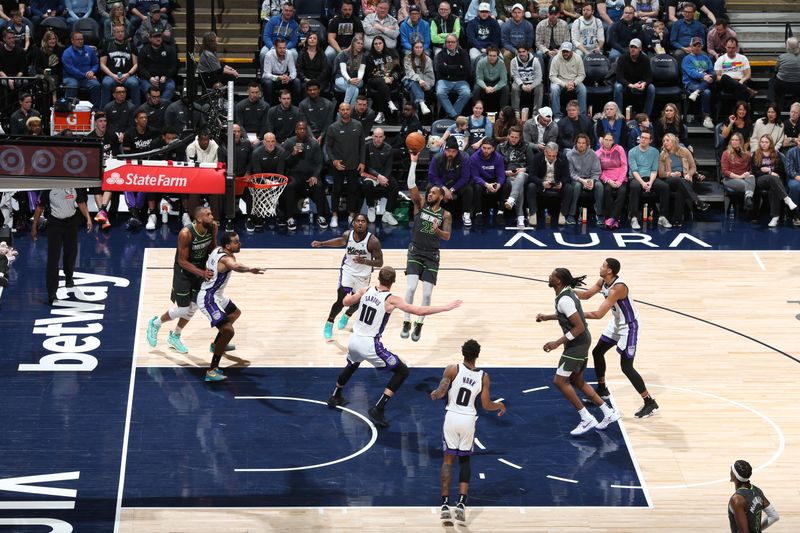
462,499
445,500
382,402
177,330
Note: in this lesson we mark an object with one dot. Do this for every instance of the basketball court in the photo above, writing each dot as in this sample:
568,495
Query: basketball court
109,434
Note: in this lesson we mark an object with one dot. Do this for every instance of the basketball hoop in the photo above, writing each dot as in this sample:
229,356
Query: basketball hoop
265,189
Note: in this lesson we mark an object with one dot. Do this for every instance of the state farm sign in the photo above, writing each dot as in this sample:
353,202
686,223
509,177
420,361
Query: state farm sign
164,176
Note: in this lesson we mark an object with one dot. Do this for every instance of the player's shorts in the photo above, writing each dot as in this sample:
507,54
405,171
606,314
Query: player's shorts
351,283
370,349
569,364
625,337
185,287
427,269
217,308
458,433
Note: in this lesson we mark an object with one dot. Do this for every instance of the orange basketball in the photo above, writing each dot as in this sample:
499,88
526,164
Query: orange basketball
415,141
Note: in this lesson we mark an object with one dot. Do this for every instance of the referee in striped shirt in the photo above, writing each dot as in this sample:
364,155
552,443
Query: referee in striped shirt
62,232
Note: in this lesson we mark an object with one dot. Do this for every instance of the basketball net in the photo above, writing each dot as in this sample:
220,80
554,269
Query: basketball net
266,189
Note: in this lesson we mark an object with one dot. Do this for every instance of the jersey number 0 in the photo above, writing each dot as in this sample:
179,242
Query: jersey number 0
462,398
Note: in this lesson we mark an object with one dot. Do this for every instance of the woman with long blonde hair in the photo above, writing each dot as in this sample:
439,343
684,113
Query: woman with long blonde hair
770,173
737,169
116,15
350,69
676,164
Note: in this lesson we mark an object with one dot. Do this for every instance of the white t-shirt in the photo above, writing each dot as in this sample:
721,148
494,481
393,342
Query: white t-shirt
733,67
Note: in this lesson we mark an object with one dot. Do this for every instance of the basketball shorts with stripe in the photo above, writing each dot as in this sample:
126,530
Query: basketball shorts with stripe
458,433
370,349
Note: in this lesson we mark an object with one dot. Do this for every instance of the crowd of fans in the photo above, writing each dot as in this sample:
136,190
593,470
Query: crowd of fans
324,92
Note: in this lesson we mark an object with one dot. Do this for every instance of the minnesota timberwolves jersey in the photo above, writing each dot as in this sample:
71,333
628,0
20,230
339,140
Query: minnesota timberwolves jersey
372,315
357,248
465,391
754,504
198,248
624,311
218,281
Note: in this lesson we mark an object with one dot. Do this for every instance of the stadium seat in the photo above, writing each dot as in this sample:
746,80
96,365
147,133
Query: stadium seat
90,30
597,67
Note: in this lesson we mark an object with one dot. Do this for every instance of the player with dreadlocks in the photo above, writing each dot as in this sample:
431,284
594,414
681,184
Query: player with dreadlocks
747,503
576,341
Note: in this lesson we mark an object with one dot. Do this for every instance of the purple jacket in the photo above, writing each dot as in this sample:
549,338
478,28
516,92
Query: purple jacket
454,178
487,170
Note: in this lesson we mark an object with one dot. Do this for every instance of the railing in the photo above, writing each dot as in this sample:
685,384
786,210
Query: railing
216,17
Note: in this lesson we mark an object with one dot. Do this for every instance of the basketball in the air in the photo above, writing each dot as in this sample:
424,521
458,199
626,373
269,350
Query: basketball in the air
415,141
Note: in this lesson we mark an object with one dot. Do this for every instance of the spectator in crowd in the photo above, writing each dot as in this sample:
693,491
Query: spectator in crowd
156,109
505,120
119,63
588,35
516,33
415,29
770,173
103,198
641,123
22,32
526,75
179,115
570,10
377,178
491,80
717,36
737,170
364,114
270,8
584,168
791,126
670,122
341,30
139,139
116,15
210,68
770,125
444,23
156,22
304,168
120,112
279,72
656,39
418,78
487,171
383,24
517,158
203,149
787,73
409,122
566,75
383,75
549,175
740,121
303,31
313,65
449,169
33,126
551,33
21,115
675,6
614,177
452,68
474,8
80,69
540,130
634,77
646,10
643,171
698,79
140,8
78,9
622,32
478,128
251,112
317,112
677,166
733,71
282,118
573,124
793,176
345,147
612,121
283,26
482,32
243,151
38,10
610,11
369,7
267,158
460,132
47,57
350,69
684,30
158,65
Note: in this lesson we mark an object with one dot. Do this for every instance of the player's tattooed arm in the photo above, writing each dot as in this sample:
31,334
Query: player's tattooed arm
447,224
449,375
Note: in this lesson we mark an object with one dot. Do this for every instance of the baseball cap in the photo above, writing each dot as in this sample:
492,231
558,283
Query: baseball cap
414,8
546,112
636,42
553,10
696,40
154,7
566,46
155,32
484,6
517,6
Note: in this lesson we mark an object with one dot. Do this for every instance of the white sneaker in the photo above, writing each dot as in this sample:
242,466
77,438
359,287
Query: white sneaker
773,223
532,220
708,123
608,419
151,222
380,118
562,221
388,217
584,426
509,203
186,219
663,222
694,96
424,108
350,218
467,220
392,107
520,222
371,214
334,221
635,223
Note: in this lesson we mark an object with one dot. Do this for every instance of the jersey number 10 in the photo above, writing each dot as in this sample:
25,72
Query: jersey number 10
367,314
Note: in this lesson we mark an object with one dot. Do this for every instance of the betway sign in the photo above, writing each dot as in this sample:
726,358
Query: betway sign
164,176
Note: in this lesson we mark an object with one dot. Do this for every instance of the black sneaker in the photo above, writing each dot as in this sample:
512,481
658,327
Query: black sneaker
601,391
478,218
649,409
701,205
337,401
377,416
417,332
249,225
748,203
406,330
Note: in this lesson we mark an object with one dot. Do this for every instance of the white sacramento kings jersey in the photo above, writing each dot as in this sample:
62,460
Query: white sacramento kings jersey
217,283
624,311
355,248
372,315
465,391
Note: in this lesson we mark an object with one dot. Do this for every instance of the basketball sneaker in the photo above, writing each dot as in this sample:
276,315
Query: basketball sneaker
377,416
152,332
215,375
648,409
417,333
328,331
337,401
175,342
460,515
445,516
584,426
101,216
249,226
608,419
151,222
404,334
